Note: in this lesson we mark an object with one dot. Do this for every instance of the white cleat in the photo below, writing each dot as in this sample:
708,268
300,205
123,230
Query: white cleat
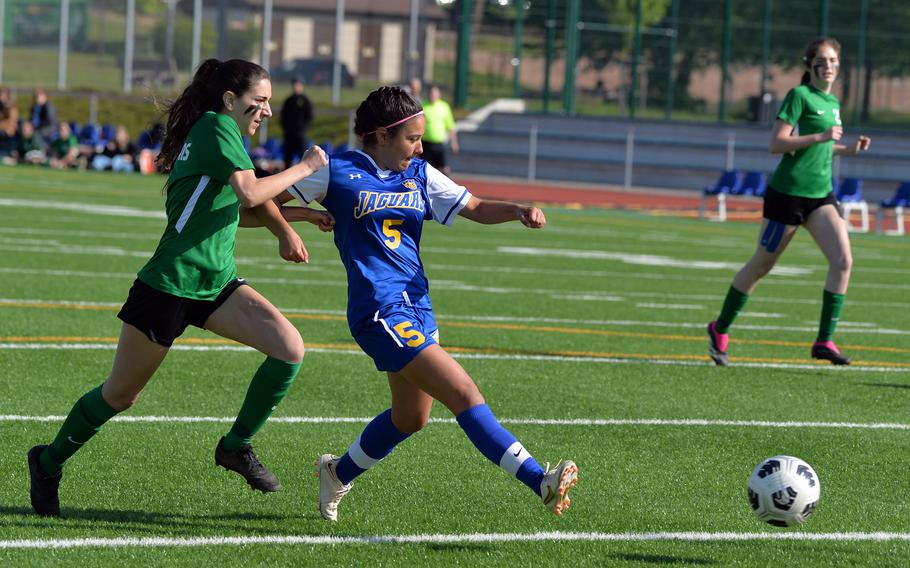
556,484
331,490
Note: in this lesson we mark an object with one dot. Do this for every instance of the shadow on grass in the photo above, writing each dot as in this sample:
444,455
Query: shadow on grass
662,559
142,520
459,547
889,385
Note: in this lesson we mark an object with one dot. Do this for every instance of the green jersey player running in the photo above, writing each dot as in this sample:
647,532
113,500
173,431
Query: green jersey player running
192,280
800,194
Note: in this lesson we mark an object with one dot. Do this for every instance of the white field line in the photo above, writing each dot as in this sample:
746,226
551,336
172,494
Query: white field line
586,422
483,356
90,208
845,327
309,540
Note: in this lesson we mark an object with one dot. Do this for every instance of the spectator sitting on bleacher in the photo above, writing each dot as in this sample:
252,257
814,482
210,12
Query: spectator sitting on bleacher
64,150
43,115
119,154
32,149
9,124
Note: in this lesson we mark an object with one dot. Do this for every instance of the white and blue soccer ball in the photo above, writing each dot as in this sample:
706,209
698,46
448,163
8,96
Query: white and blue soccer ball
784,491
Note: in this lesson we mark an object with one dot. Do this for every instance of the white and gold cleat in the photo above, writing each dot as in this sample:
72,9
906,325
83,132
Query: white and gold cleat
331,490
556,484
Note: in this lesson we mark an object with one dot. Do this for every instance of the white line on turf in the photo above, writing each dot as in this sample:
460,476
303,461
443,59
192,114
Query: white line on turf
605,422
93,208
484,356
309,540
844,326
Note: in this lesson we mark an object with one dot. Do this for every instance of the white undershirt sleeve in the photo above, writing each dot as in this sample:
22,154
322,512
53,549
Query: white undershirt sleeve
311,188
447,198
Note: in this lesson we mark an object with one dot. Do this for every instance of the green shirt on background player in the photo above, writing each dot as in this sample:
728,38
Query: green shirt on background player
807,172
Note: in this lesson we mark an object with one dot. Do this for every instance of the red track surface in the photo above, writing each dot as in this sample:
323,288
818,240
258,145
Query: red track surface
679,202
615,198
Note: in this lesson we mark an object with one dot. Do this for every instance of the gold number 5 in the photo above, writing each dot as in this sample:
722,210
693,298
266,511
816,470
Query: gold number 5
394,236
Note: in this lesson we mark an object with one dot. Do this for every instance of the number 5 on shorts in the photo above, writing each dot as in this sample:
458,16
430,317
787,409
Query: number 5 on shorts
411,336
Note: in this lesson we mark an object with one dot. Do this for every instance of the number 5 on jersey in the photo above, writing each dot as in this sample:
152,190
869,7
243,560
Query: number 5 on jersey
394,236
411,336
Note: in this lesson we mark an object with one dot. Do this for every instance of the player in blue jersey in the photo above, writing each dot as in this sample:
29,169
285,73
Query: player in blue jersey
380,197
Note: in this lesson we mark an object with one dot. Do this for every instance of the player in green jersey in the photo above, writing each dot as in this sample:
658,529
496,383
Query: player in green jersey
807,132
192,280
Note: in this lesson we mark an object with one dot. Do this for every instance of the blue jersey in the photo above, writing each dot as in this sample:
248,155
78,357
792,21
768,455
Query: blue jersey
379,217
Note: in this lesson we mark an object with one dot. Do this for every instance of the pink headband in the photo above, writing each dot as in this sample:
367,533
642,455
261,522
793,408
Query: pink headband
394,124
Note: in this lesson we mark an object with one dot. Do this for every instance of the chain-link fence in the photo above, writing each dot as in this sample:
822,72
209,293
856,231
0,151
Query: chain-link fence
712,60
707,60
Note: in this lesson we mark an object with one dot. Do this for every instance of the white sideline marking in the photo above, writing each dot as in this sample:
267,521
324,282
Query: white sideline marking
93,208
490,356
606,422
646,259
162,542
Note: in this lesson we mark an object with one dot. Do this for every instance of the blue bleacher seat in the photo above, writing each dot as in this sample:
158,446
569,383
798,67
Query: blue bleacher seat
730,181
89,135
108,132
851,189
755,184
274,149
343,147
898,201
849,193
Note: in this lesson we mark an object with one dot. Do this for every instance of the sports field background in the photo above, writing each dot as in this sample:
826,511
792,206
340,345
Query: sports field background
587,339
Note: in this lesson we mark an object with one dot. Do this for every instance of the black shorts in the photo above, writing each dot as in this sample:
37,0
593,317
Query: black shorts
435,154
790,209
163,317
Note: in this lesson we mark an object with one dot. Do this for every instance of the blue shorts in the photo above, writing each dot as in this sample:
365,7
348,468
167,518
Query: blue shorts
395,335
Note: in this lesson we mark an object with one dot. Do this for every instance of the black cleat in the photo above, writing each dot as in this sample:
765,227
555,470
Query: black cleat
245,462
44,487
827,351
717,345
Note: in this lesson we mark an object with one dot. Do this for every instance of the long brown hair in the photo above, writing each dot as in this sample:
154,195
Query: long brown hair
212,79
812,51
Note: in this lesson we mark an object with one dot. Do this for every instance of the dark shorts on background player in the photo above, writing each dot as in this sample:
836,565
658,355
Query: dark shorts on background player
395,335
163,317
435,154
790,209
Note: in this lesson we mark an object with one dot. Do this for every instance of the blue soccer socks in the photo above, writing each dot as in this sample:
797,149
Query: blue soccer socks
500,446
376,441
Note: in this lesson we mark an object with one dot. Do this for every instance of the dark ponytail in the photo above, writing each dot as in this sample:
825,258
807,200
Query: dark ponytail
384,106
812,51
212,79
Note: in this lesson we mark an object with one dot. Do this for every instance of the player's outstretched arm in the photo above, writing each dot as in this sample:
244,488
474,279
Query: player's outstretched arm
253,191
489,212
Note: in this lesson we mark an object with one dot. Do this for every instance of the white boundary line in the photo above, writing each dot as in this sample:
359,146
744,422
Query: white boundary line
199,541
606,422
482,356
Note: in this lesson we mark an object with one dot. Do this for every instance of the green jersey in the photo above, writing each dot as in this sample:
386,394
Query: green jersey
439,121
195,257
807,172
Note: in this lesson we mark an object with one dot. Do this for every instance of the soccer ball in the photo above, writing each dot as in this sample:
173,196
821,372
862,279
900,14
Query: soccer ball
783,491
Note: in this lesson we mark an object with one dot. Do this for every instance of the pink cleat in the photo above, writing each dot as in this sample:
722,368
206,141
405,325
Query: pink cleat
717,344
827,351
